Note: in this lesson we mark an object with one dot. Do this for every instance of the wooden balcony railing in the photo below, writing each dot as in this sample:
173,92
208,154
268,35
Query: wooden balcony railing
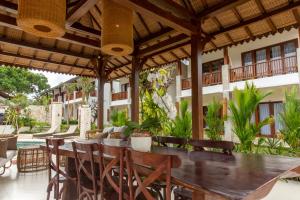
71,97
93,93
271,68
78,94
208,79
119,96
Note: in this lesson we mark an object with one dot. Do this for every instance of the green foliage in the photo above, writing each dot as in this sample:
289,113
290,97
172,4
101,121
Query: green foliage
150,124
86,86
16,80
69,88
118,118
182,125
290,119
214,121
73,122
242,107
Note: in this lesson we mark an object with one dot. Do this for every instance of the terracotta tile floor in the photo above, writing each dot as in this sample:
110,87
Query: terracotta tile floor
32,186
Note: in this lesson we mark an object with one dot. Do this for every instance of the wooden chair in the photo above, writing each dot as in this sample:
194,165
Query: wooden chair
161,164
86,170
60,176
113,157
166,141
206,145
223,148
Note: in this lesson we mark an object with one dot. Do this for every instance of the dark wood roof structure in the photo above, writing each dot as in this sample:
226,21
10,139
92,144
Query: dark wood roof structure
162,30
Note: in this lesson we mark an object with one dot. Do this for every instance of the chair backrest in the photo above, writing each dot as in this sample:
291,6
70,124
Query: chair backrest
201,145
72,129
167,141
159,166
52,147
86,169
112,157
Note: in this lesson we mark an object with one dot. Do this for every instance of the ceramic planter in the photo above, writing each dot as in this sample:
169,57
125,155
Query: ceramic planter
141,143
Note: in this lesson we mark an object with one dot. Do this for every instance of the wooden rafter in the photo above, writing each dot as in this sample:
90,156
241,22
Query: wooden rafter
80,9
268,19
144,23
296,15
24,44
159,14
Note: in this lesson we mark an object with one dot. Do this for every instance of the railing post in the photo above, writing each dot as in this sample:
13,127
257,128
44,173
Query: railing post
178,81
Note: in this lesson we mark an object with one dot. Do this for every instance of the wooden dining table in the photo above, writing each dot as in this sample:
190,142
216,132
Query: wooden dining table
212,176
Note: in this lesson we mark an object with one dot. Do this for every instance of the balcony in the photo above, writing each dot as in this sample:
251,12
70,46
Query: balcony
275,67
119,96
78,94
93,93
213,78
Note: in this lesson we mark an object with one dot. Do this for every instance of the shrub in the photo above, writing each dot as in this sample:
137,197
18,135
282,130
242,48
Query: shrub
214,121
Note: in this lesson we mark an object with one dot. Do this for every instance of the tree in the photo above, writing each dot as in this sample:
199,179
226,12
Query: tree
69,88
242,108
86,86
16,80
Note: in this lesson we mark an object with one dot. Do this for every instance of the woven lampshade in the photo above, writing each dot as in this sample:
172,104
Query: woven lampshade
117,29
44,18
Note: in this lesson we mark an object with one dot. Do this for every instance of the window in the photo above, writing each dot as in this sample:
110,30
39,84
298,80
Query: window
269,109
271,60
124,87
247,58
213,66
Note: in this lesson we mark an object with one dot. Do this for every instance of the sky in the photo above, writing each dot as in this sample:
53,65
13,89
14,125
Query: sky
54,79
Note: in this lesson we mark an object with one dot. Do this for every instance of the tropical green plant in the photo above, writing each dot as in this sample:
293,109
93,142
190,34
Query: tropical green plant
118,118
87,86
290,119
150,124
242,108
182,125
69,88
13,112
214,121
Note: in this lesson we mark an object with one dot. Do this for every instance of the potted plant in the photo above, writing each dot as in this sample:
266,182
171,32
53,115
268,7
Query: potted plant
141,140
113,139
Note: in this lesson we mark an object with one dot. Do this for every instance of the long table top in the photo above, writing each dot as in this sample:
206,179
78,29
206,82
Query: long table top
240,176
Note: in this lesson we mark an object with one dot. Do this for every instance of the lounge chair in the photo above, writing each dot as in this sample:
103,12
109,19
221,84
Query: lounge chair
70,132
50,132
6,129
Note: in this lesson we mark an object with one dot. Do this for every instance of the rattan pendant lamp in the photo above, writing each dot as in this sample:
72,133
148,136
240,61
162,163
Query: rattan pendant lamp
117,29
43,18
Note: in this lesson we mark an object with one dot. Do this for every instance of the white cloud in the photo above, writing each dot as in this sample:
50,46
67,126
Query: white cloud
54,79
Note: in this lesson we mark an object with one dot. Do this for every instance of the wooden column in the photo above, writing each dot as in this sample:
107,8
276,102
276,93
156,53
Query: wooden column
134,83
226,56
101,81
197,45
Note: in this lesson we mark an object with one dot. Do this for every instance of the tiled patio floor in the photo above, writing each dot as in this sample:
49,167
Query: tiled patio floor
32,186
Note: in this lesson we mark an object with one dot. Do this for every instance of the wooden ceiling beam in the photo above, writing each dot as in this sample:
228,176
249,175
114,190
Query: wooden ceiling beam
11,22
162,44
218,8
263,11
258,18
296,15
80,9
77,27
24,44
175,8
156,13
155,36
